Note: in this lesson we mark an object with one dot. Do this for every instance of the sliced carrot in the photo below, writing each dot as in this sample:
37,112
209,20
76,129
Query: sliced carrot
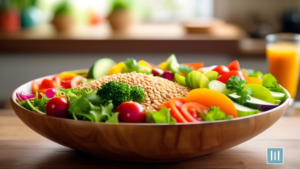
253,80
209,98
175,105
191,111
165,104
195,66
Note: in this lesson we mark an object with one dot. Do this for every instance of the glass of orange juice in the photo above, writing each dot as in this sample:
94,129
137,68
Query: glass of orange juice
283,53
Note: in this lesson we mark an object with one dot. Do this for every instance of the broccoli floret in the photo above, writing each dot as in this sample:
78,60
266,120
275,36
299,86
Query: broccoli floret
120,92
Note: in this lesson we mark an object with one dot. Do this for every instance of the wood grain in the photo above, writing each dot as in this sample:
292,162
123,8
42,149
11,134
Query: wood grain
17,152
147,142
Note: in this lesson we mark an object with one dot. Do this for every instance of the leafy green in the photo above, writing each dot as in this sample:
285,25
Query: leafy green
235,83
161,116
185,69
85,105
270,82
40,104
120,92
214,114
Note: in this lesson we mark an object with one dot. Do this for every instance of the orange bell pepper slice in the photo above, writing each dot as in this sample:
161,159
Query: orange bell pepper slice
253,80
209,98
66,76
195,66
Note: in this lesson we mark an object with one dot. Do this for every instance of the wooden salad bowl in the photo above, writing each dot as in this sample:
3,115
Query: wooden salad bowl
146,142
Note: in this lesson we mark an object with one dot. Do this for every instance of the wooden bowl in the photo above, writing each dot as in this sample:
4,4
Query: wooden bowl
147,142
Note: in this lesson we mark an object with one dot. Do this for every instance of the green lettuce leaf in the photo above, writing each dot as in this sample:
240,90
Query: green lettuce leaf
161,116
215,114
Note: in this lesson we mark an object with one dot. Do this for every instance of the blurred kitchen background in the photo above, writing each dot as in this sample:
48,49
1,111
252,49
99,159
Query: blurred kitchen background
42,37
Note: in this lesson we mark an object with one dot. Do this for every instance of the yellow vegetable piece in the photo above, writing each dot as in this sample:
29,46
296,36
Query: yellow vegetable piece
144,63
67,75
163,66
117,68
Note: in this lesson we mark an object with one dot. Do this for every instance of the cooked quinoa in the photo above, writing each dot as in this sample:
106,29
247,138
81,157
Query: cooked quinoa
157,90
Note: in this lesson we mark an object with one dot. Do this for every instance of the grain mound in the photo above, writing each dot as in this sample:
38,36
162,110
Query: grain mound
157,89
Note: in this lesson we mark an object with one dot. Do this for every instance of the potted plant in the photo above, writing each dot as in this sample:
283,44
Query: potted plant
63,19
9,17
31,15
121,17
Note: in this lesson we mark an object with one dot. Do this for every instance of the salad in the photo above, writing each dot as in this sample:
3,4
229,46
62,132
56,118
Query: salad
141,92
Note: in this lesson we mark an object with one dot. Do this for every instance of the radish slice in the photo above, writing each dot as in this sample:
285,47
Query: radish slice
50,93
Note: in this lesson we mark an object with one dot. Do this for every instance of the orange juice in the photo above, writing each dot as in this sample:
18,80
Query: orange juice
283,60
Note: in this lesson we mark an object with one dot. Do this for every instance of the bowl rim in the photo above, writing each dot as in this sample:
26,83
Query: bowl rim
13,101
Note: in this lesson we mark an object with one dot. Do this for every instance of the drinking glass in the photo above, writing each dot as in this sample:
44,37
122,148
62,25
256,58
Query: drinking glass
283,51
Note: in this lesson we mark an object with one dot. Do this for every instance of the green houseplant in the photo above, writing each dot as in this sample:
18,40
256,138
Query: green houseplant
63,19
121,17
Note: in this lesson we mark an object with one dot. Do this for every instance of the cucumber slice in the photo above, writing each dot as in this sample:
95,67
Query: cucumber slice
277,95
192,79
172,64
277,101
101,68
243,110
254,103
219,87
212,75
204,81
180,79
260,92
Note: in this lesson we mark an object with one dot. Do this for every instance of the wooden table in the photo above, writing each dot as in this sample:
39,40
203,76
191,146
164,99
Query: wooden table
20,147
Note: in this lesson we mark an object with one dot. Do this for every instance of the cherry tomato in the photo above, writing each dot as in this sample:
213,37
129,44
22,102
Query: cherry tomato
47,84
221,70
228,75
191,111
58,107
157,71
234,66
131,112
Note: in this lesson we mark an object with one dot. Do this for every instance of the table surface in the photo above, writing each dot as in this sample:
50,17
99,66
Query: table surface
20,147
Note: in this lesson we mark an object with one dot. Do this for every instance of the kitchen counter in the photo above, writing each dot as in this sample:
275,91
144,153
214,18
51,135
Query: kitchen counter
20,147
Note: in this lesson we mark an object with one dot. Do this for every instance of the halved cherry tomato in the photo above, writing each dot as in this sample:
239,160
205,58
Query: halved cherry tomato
228,75
234,66
35,86
195,66
47,84
221,70
190,111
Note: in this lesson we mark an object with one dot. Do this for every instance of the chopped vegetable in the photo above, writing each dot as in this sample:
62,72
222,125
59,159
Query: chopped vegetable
253,73
101,68
234,66
58,107
118,68
50,93
221,70
195,66
161,116
168,75
120,92
214,114
185,69
210,98
174,106
228,75
190,111
235,83
22,96
253,80
132,66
